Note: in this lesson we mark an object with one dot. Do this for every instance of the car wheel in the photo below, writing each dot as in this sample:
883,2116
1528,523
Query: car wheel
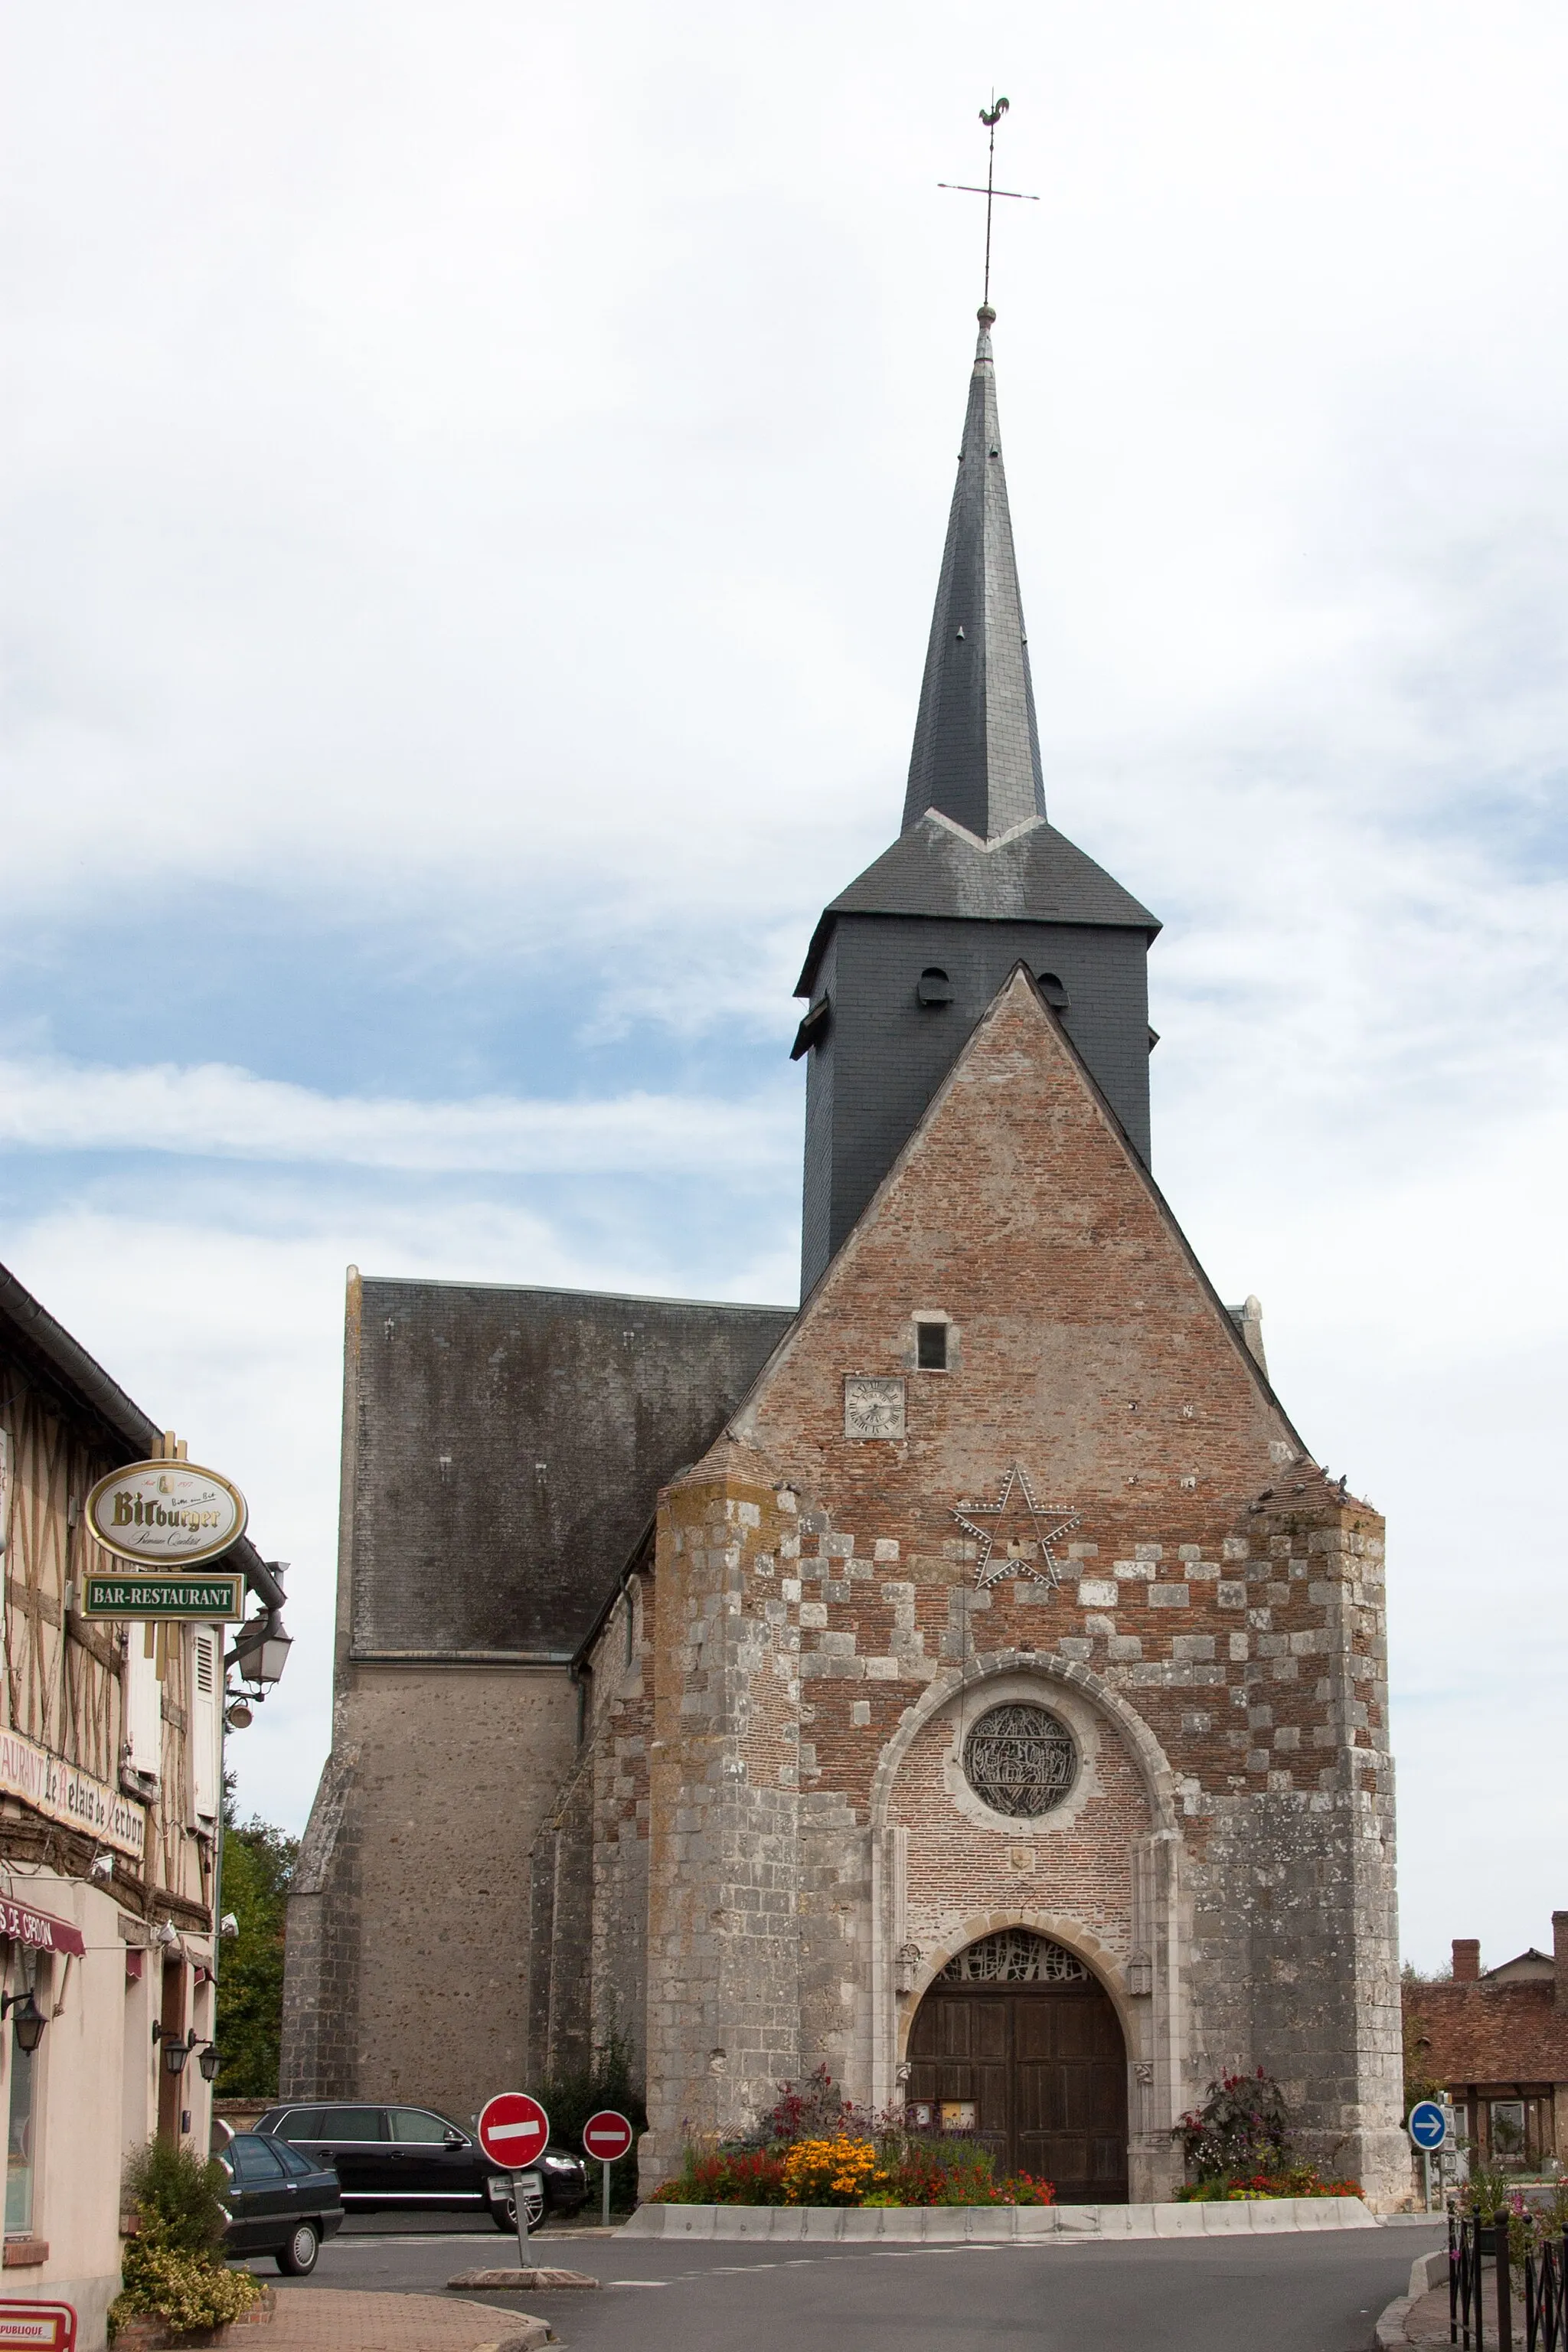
297,2258
503,2213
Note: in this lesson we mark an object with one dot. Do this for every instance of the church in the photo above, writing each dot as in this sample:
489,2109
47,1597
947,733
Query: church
968,1681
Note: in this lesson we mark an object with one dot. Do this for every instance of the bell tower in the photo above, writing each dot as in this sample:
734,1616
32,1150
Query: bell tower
904,961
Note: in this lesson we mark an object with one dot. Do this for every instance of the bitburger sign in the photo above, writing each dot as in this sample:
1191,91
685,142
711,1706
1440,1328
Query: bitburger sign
163,1514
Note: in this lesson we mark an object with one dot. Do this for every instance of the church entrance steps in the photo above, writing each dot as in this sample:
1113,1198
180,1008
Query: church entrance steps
934,2225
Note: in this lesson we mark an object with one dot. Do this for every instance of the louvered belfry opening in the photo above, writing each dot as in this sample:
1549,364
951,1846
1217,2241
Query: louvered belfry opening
1018,2044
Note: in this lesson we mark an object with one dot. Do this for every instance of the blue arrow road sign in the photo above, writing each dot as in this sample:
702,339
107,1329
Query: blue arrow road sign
1428,2126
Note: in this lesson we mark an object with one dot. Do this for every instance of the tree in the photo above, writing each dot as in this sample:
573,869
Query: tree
258,1866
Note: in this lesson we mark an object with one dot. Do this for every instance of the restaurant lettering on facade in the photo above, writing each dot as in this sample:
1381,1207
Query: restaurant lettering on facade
39,1930
63,1793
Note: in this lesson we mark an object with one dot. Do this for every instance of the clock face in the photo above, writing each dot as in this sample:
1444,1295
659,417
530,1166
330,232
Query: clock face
872,1407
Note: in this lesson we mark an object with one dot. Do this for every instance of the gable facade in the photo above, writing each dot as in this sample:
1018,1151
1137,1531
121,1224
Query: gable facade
825,1619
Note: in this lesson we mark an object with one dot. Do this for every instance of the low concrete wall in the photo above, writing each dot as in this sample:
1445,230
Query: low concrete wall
996,2224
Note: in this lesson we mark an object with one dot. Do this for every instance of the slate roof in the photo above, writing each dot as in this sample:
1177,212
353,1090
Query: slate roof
976,842
1488,2033
1032,875
508,1446
977,749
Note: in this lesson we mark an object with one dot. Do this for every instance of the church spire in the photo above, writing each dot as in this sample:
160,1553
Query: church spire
977,749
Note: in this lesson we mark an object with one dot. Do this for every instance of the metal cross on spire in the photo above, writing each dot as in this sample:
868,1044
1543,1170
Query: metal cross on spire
991,116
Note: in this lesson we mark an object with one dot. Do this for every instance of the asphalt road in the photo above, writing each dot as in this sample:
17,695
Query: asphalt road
1290,2293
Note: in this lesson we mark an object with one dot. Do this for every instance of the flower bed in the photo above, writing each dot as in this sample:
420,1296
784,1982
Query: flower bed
848,2168
1299,2181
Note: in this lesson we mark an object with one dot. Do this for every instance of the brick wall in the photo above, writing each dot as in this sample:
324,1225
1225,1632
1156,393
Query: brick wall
1214,1638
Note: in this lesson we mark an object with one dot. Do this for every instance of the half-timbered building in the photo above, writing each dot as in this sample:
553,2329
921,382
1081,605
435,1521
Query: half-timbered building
111,1809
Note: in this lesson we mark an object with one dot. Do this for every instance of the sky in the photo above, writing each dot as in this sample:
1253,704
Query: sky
474,479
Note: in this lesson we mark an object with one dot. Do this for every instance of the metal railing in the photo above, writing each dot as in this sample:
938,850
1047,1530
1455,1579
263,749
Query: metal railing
1544,2266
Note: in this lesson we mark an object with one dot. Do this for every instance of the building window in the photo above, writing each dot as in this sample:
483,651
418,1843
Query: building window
933,987
1052,990
1020,1760
931,1346
1015,1957
20,2133
1505,2129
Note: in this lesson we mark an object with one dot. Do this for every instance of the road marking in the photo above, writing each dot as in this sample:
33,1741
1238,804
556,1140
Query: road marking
640,2282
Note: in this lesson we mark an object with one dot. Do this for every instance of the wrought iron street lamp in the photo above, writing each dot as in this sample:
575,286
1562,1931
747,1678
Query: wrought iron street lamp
28,2019
261,1649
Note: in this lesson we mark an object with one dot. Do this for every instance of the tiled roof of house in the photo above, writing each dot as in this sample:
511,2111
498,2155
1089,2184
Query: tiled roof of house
1488,2033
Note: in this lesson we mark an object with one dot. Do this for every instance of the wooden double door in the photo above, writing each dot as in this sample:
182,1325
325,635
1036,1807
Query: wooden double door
1042,2067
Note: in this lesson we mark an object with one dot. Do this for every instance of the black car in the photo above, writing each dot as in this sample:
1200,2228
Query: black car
281,2202
412,2158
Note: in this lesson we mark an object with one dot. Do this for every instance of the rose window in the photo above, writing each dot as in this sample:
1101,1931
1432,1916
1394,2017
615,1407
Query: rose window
1020,1759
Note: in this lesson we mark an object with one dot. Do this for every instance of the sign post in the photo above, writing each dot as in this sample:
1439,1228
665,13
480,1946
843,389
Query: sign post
608,2135
1428,2128
514,2130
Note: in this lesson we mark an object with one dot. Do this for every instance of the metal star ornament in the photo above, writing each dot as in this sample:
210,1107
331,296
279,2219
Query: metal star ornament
1026,1530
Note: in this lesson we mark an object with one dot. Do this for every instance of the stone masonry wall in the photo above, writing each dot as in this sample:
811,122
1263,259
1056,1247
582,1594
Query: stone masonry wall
437,1782
1219,1599
589,1865
724,2025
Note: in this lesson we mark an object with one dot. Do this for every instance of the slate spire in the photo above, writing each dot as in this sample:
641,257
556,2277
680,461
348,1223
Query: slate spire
977,749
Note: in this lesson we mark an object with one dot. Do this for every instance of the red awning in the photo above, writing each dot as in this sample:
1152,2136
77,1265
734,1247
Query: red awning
40,1930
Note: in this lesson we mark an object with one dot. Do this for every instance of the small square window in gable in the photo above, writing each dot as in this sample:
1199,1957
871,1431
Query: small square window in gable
931,1346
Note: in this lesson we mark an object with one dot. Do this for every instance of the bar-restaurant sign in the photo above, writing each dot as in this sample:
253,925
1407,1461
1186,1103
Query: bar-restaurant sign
206,1599
165,1515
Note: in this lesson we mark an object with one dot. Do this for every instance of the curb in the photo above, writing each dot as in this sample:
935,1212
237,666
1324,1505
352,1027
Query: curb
994,2224
1426,2271
539,2280
529,2335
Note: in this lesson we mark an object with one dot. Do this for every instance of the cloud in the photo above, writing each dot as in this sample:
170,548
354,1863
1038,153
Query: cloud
231,1114
476,485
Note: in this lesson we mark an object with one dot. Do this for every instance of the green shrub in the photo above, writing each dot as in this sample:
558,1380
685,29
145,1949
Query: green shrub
180,2192
171,2267
185,2291
608,2081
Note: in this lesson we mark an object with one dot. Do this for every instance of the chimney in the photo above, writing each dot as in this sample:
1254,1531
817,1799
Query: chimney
1559,1960
1467,1957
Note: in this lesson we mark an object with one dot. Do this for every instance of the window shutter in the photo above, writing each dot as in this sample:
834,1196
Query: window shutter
143,1697
206,1673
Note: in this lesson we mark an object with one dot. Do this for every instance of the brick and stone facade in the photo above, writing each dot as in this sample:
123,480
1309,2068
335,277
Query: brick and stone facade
664,1628
815,1639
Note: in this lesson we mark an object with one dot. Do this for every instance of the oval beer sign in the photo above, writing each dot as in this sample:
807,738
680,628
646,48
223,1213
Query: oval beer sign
165,1514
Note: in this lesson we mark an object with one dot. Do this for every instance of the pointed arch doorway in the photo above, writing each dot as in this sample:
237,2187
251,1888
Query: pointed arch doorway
1016,2040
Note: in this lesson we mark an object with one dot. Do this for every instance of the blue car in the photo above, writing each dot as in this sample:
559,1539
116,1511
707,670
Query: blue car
279,2202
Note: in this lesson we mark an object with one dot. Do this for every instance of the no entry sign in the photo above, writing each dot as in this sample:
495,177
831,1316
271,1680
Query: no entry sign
514,2130
606,2136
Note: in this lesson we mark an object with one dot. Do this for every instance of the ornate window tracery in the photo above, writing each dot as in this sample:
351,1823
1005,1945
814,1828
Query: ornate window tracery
1020,1759
1013,1956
